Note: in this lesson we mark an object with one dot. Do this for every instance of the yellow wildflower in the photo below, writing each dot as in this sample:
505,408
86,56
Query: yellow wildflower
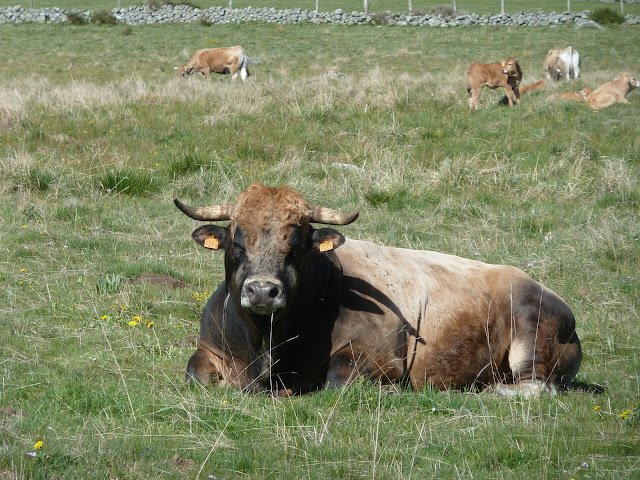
150,324
104,317
133,323
596,408
136,318
38,445
23,269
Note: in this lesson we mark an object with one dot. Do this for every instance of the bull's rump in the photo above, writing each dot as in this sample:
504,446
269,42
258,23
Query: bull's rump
452,321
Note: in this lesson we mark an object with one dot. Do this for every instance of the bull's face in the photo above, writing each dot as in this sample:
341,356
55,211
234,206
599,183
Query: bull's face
267,244
509,67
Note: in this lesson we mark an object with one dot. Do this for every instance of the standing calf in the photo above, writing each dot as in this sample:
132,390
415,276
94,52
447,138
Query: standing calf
507,74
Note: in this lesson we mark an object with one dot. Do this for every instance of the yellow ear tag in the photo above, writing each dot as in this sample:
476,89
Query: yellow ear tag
326,245
212,243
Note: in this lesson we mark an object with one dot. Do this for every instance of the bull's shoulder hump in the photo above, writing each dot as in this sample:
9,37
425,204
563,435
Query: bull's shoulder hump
360,257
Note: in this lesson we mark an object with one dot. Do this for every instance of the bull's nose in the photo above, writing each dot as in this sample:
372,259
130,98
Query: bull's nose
263,296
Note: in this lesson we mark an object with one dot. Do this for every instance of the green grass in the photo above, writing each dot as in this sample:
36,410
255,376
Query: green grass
375,6
98,139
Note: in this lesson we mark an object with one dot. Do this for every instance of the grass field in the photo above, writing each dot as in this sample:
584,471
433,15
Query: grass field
375,6
97,137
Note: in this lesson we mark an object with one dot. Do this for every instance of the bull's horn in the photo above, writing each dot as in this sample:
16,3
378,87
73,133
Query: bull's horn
214,213
332,217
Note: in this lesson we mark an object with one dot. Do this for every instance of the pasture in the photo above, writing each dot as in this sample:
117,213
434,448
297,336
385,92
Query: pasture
97,136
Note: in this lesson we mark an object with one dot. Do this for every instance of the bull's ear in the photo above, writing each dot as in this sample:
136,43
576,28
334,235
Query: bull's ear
325,239
212,237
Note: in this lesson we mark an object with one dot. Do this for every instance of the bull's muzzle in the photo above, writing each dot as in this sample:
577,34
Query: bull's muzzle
263,296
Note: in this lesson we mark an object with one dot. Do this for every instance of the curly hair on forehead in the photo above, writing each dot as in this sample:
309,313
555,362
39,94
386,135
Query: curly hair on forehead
281,203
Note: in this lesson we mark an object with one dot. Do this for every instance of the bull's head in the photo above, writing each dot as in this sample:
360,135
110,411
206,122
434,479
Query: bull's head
267,243
510,67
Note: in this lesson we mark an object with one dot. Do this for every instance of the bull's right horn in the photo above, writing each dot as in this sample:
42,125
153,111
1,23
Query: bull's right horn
329,216
216,213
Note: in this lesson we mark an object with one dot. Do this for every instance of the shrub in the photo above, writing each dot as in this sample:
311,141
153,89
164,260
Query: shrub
76,18
102,17
204,21
604,15
187,3
381,18
153,4
446,11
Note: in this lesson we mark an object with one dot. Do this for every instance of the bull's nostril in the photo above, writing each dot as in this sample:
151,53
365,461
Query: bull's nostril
273,293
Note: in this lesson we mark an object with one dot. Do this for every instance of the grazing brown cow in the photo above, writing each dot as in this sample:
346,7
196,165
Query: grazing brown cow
577,96
613,92
217,60
507,74
303,308
562,64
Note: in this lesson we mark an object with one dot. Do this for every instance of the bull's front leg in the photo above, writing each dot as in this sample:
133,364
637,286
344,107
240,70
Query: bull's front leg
343,370
204,367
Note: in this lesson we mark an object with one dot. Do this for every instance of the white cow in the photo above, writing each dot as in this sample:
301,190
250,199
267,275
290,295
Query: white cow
562,64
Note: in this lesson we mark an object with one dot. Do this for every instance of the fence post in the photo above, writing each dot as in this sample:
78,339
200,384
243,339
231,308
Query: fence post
502,7
317,7
366,7
454,6
569,6
621,8
230,5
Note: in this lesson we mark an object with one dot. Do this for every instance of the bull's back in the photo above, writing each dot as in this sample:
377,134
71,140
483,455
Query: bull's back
457,313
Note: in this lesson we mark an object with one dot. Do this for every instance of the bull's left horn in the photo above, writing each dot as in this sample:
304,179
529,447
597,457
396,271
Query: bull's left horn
214,213
329,216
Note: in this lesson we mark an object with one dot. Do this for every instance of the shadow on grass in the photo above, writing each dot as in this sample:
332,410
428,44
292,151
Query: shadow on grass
584,386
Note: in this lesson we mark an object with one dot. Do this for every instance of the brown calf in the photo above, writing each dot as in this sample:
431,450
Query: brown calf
507,74
613,92
578,96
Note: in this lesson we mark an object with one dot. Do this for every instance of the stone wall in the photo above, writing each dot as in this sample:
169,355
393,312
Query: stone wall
139,15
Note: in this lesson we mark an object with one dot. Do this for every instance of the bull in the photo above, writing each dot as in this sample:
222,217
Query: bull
302,308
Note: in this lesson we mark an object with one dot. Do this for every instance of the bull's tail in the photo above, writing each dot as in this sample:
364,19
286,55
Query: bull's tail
532,86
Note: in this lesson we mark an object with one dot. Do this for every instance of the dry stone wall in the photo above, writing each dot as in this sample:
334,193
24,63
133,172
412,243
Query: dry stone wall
140,15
